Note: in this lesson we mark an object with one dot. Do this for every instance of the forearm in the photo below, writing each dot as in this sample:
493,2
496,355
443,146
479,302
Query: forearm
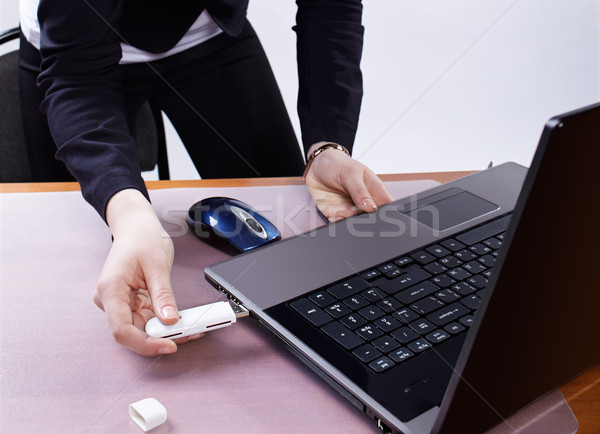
83,99
329,48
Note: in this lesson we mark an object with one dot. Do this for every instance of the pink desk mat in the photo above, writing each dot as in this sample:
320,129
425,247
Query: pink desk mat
61,371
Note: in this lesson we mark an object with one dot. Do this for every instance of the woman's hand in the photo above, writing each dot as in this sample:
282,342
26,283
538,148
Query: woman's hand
135,283
341,186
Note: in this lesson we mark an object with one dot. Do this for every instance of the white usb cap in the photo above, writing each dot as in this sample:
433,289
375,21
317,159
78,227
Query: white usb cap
148,413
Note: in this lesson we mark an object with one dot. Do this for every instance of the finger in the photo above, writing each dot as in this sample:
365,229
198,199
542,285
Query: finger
158,283
143,316
334,213
354,183
140,301
121,322
377,188
98,300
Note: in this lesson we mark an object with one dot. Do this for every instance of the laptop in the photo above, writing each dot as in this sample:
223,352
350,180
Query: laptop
451,310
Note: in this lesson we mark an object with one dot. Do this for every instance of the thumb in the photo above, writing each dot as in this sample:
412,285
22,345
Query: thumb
164,305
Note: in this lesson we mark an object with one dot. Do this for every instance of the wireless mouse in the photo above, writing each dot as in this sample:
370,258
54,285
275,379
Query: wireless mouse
230,225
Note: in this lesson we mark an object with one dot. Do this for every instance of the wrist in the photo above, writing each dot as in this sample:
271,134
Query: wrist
128,209
317,149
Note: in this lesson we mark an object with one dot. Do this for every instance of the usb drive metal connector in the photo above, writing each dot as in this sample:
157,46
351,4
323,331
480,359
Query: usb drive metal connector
196,320
239,310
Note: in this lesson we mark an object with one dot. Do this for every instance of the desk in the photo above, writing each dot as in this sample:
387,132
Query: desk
87,380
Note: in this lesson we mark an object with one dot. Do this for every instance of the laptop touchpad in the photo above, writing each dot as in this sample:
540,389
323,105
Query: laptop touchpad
448,208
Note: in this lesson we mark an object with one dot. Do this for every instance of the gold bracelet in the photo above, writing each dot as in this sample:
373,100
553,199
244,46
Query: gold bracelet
320,149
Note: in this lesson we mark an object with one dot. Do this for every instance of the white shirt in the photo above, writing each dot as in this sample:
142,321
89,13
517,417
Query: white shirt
203,29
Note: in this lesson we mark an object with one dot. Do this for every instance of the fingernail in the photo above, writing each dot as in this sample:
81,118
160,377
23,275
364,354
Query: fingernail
197,336
369,204
167,350
169,312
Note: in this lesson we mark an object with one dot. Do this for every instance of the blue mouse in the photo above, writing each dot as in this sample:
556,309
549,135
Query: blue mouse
230,225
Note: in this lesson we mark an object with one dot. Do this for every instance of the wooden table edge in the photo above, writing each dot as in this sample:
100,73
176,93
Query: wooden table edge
30,187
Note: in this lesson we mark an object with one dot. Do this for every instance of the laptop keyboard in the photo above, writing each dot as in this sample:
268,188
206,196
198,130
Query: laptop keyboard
390,313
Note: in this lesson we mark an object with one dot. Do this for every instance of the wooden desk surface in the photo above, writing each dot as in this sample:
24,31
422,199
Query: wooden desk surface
582,393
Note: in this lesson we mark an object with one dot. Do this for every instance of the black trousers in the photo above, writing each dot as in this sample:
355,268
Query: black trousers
221,96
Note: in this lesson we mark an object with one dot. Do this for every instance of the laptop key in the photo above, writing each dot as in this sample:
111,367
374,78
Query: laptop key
356,302
348,288
394,273
454,328
416,292
437,336
401,262
387,268
453,245
465,255
411,267
435,268
443,280
342,335
487,260
353,321
322,299
373,294
480,250
371,313
369,332
385,344
389,305
447,296
366,353
478,281
459,273
422,326
493,243
463,288
338,310
419,345
450,261
387,324
400,355
438,251
381,364
406,315
484,232
448,314
404,335
370,275
311,312
474,267
406,280
426,305
471,301
422,257
467,320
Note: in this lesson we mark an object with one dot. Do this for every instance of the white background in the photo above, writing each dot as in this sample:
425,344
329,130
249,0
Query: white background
449,85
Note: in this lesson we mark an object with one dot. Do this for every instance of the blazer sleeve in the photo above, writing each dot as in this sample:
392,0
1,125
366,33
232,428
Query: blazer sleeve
329,49
85,106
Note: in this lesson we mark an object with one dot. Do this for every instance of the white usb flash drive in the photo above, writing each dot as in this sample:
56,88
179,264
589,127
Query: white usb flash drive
196,320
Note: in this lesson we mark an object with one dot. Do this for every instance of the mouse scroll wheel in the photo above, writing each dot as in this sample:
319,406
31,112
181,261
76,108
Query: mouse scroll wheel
256,227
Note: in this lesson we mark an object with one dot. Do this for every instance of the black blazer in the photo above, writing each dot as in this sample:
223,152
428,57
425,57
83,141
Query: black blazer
81,51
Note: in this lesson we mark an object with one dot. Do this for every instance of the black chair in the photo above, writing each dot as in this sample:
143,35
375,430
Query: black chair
14,164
